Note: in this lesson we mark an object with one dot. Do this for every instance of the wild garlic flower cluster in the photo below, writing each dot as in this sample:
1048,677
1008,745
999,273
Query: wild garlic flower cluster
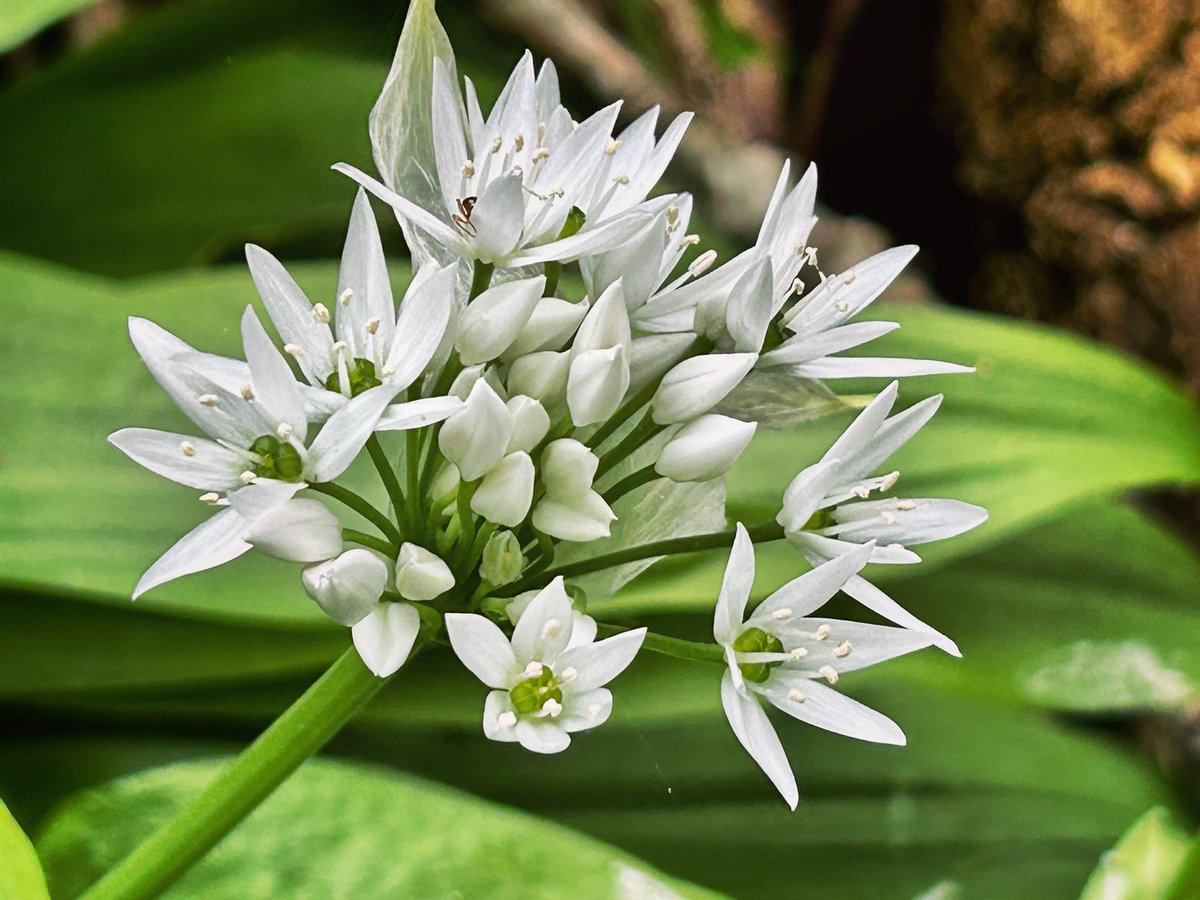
558,393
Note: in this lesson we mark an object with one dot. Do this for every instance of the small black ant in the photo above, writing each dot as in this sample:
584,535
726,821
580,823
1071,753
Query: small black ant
463,218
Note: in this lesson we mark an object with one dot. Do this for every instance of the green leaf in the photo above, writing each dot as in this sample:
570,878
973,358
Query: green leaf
1143,864
1048,422
22,19
334,830
20,872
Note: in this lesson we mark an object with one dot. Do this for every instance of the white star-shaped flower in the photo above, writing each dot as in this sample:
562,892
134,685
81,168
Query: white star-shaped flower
782,655
545,686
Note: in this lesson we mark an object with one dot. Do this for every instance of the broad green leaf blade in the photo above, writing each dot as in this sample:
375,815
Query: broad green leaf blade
22,19
335,830
1048,422
20,872
1143,864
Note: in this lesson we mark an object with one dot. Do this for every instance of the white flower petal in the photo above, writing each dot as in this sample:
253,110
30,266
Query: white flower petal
819,548
880,603
275,387
499,703
494,319
544,629
802,348
301,530
599,663
844,296
421,324
580,519
347,588
364,274
542,736
345,433
475,437
506,491
212,543
449,138
749,309
861,645
735,588
830,367
813,589
483,649
755,732
597,239
826,708
418,413
408,211
906,521
195,462
291,313
584,710
385,637
498,218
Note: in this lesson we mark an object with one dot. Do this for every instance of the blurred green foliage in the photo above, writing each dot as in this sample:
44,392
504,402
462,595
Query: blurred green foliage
153,155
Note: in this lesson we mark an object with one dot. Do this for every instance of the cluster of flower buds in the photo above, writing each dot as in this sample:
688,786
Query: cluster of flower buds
531,398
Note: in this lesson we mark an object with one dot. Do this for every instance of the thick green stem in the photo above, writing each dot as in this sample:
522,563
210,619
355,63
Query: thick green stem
481,277
384,466
669,646
412,464
300,732
360,506
766,531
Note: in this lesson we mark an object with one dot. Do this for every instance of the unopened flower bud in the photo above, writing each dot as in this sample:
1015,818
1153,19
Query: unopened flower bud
506,491
704,448
349,587
597,384
698,384
385,637
584,518
551,325
542,376
568,468
421,575
530,423
606,324
503,560
494,319
475,437
299,531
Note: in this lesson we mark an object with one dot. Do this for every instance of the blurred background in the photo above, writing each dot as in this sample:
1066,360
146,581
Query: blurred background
1046,157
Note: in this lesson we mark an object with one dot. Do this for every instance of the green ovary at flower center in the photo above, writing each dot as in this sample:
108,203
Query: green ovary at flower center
533,693
361,375
822,518
755,640
279,459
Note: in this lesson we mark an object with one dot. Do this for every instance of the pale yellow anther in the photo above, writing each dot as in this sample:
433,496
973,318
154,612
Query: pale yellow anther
848,277
843,306
843,649
534,669
795,696
293,349
320,314
506,719
701,263
372,326
888,517
889,481
210,499
613,146
516,172
187,448
540,153
207,399
497,143
797,286
551,628
519,142
906,504
799,652
284,431
387,371
821,633
338,347
780,615
570,673
829,673
861,491
621,179
247,392
552,707
248,477
689,240
468,169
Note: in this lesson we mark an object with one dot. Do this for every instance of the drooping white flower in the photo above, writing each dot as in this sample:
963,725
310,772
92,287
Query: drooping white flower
822,515
571,509
347,587
420,574
385,636
704,448
501,188
783,655
362,342
544,689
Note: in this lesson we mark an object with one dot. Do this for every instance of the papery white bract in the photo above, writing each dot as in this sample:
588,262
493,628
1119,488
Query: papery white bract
821,514
782,655
544,687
